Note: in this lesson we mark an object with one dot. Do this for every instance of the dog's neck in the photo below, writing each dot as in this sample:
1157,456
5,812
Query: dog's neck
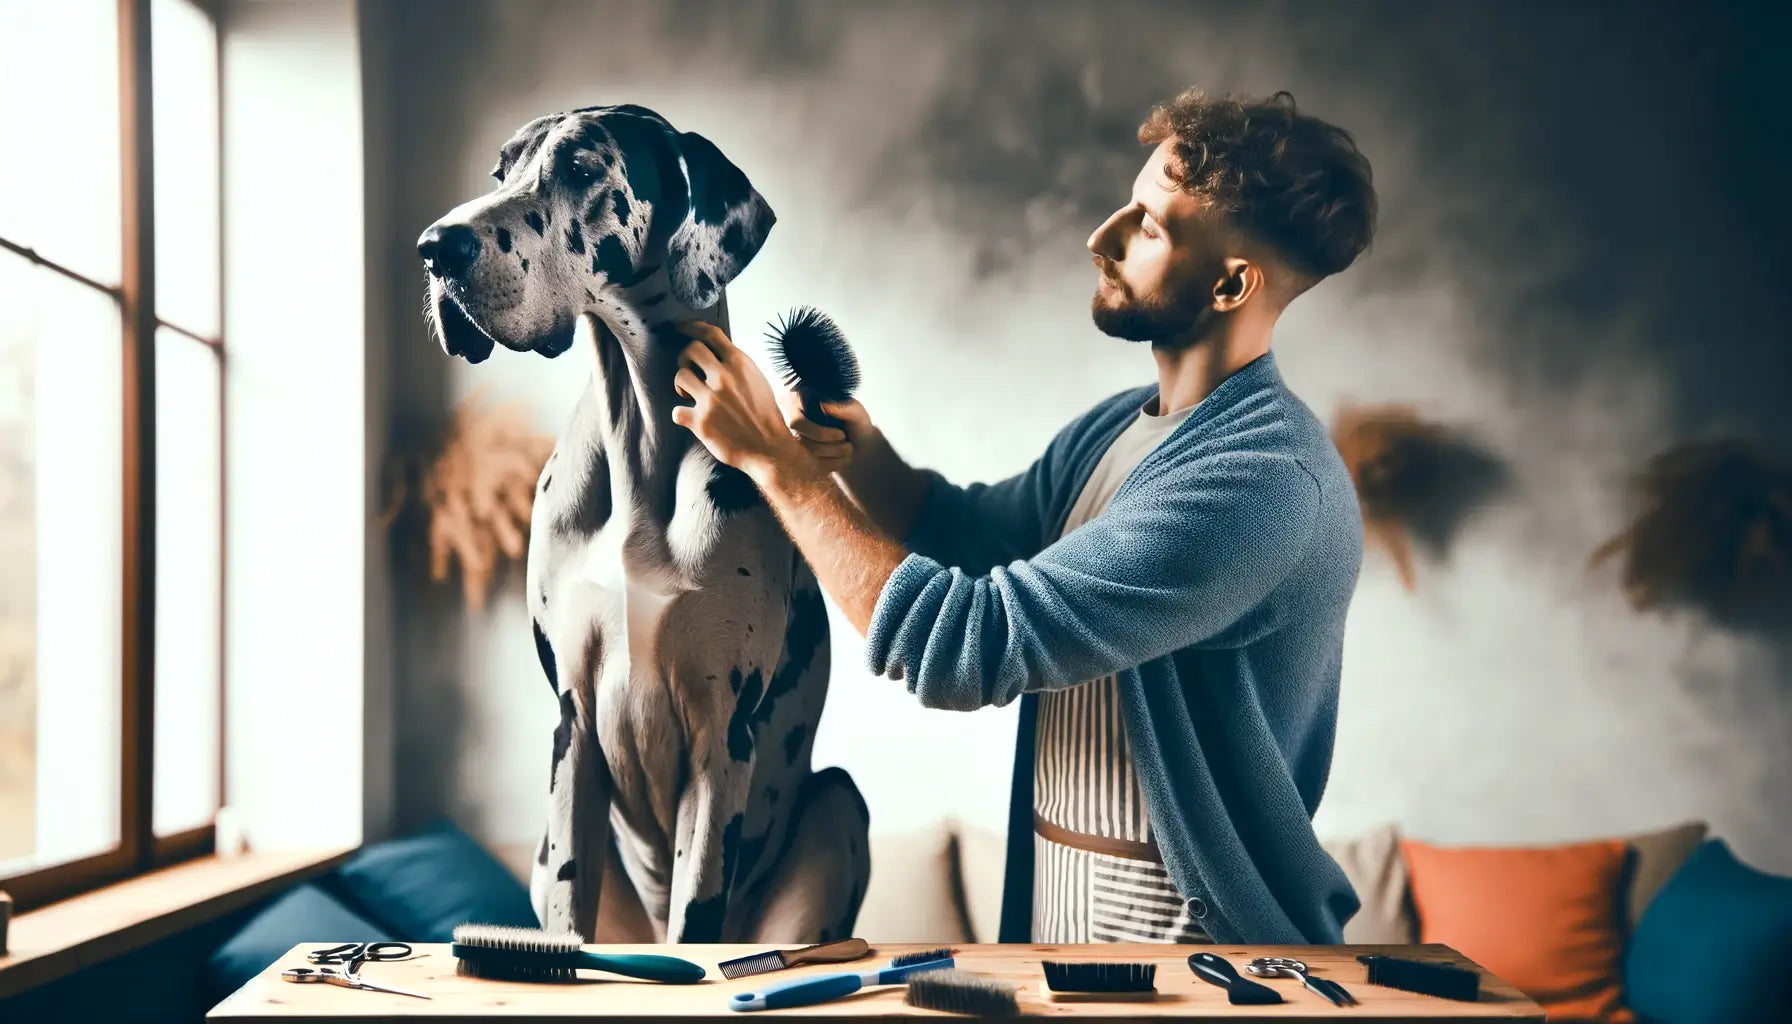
634,341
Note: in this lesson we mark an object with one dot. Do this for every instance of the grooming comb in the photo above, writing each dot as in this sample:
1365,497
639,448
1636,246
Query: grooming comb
811,354
530,954
781,959
955,991
1446,981
1098,982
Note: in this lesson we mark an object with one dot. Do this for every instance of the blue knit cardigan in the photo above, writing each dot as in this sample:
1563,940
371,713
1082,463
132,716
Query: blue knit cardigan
1215,586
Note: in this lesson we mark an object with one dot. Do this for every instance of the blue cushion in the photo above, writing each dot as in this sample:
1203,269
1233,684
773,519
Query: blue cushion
1711,945
420,888
304,914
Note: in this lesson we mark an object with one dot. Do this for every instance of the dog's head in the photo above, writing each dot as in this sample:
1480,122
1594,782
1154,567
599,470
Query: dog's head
589,203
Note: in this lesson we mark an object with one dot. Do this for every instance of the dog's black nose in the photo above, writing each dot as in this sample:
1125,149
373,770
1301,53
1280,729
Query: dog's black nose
448,251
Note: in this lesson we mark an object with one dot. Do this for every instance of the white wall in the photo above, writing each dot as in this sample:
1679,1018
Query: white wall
296,498
1511,698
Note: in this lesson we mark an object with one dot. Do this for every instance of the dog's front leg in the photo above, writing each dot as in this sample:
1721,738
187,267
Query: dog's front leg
569,868
710,814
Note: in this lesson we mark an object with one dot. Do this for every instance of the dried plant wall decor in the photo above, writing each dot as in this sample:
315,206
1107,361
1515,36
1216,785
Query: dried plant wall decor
1417,481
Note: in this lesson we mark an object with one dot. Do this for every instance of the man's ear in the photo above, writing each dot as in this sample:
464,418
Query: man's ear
1242,279
723,229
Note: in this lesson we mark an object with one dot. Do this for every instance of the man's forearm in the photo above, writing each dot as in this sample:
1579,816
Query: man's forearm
851,556
887,488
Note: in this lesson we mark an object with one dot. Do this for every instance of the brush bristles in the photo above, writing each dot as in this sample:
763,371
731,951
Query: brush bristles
1099,977
810,353
522,940
955,991
922,957
511,970
750,965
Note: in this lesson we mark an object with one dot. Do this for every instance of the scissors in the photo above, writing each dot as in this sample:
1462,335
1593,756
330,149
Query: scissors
347,979
354,954
1284,967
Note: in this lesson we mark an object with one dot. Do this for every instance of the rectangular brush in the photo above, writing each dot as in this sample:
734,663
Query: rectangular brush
1098,982
1445,981
783,959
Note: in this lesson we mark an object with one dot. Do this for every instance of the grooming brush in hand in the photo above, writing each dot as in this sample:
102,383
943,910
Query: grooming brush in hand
780,959
955,991
820,989
529,954
812,356
1240,990
1098,982
1445,980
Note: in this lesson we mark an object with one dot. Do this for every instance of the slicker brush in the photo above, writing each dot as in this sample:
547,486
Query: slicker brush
810,353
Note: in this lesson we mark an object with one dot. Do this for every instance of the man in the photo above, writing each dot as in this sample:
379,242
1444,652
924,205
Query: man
1165,589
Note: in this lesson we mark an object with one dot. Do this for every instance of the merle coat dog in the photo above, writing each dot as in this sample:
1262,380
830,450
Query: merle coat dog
684,638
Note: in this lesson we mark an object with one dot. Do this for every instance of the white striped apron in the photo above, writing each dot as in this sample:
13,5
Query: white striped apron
1096,875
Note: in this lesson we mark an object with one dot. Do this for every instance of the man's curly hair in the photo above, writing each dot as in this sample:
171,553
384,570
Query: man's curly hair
1292,182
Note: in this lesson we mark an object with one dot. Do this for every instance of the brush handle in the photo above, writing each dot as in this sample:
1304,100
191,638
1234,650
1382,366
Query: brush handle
810,991
648,966
812,410
827,952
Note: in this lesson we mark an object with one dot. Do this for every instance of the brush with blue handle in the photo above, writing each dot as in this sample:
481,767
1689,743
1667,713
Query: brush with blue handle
810,991
530,954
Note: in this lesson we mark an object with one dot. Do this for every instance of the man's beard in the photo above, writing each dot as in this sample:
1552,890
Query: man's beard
1173,317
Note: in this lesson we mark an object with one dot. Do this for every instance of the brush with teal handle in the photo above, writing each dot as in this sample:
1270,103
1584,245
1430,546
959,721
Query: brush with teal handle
529,954
810,991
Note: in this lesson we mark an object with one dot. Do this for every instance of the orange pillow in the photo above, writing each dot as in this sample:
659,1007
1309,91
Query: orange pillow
1546,919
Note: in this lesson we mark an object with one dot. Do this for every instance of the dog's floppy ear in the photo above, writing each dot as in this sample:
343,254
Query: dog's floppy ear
723,228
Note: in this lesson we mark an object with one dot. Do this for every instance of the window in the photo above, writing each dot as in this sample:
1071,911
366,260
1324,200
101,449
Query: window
111,441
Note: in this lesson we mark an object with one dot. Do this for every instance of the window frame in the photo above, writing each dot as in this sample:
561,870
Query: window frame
139,849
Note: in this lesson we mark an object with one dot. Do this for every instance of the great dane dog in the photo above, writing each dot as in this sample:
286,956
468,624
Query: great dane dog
684,637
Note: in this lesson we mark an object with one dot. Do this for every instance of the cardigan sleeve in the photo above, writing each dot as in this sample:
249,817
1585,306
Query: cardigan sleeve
980,526
1168,565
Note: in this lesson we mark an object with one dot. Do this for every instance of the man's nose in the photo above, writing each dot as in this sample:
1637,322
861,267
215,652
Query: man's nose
448,251
1105,240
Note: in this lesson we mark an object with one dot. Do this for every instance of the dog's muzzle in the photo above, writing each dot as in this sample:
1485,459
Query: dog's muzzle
449,251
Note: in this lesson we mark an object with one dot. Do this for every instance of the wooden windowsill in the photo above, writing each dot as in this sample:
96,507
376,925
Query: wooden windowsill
55,941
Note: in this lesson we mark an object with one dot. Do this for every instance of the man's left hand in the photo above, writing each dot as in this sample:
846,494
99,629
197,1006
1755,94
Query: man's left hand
734,412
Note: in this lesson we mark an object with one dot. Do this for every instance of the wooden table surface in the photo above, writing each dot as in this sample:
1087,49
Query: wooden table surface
267,998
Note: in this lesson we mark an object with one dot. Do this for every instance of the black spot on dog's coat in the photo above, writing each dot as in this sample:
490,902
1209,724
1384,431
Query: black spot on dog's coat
743,571
575,239
503,240
731,490
804,628
567,871
541,854
546,654
525,264
704,282
619,203
533,219
747,690
562,733
734,242
611,259
793,742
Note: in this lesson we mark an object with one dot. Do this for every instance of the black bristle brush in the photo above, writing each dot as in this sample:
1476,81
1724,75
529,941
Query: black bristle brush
956,991
1098,982
530,954
811,355
1443,980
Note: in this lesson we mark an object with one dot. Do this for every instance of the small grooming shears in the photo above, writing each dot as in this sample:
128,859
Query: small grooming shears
332,976
1284,967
